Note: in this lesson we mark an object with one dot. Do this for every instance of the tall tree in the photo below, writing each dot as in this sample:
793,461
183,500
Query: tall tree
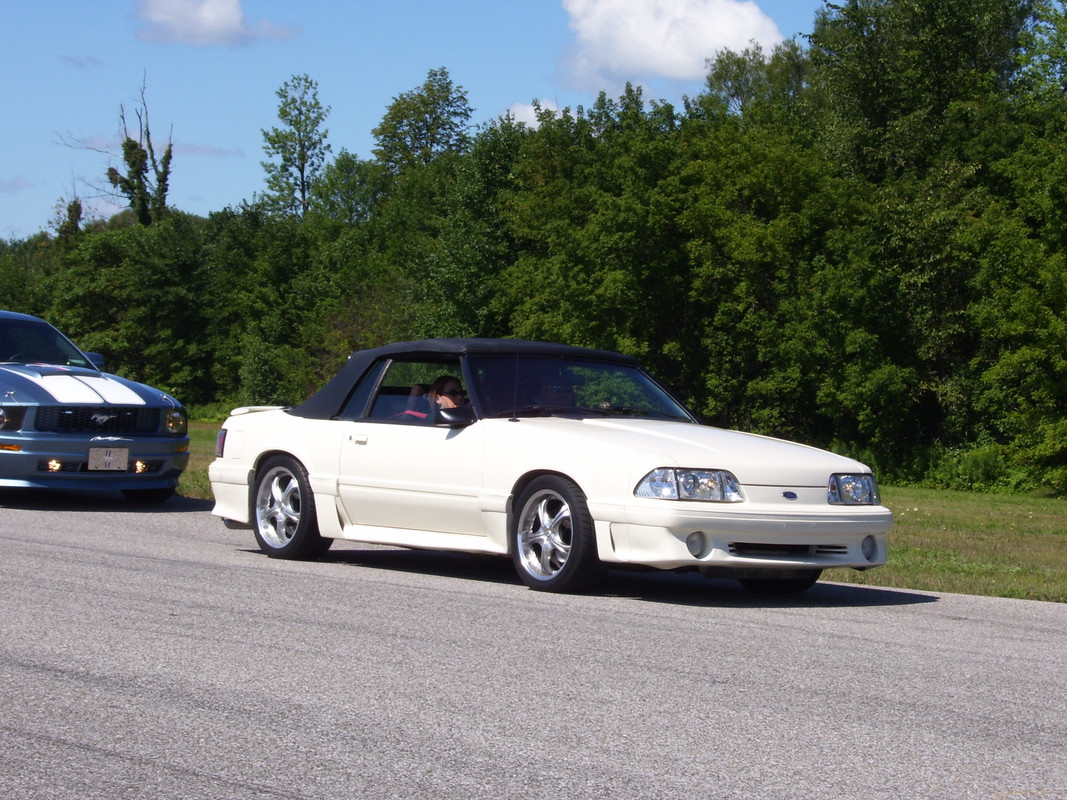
758,86
903,79
422,124
147,179
135,295
299,146
348,190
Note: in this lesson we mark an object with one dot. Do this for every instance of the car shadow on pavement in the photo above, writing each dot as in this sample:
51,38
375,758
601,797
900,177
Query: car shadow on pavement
675,588
444,563
94,502
691,588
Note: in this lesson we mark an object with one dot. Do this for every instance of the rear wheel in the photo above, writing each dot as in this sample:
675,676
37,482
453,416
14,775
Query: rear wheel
793,582
553,546
283,511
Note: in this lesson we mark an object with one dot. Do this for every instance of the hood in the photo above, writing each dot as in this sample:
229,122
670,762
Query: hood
753,459
50,384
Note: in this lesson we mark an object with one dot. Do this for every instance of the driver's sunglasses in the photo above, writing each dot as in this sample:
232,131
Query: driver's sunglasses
456,393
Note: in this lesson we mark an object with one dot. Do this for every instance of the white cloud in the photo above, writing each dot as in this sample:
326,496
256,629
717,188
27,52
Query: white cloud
203,22
527,112
629,40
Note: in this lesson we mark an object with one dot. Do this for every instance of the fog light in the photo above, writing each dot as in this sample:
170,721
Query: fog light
54,466
869,547
696,543
139,467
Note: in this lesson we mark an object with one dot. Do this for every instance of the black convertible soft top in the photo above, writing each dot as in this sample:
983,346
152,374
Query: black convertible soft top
330,399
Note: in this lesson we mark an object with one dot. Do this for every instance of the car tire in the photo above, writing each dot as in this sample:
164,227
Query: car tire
148,496
283,511
553,546
797,582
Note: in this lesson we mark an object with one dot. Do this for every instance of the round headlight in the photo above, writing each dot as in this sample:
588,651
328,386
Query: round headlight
176,422
11,418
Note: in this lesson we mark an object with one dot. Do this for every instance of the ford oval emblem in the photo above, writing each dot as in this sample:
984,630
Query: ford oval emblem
789,495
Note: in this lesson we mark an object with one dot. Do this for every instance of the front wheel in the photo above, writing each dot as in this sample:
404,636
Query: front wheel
283,511
797,581
552,545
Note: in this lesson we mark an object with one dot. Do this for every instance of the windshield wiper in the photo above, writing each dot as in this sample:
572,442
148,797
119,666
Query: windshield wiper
538,410
609,409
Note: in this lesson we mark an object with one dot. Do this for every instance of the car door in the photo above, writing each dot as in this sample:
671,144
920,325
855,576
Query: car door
397,469
414,477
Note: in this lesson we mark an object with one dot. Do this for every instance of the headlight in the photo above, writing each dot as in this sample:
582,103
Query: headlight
853,490
176,422
710,485
11,418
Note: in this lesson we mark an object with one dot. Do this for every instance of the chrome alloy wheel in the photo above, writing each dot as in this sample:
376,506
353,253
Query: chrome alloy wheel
544,534
278,507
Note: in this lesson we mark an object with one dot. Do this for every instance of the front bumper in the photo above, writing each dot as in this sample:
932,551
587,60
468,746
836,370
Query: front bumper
747,536
47,461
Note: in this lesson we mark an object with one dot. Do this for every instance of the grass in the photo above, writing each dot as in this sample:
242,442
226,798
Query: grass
194,482
985,544
942,541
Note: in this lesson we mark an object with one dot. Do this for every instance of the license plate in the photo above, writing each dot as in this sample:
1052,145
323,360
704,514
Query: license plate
109,458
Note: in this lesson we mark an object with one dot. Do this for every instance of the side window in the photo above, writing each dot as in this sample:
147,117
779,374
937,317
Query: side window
406,393
357,401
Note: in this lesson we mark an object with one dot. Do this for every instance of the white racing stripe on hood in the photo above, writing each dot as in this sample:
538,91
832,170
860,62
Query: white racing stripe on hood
71,389
113,392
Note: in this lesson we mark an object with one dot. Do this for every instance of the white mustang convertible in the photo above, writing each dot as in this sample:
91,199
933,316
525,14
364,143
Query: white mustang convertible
564,458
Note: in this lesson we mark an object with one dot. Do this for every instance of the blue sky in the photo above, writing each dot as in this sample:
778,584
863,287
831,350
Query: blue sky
211,69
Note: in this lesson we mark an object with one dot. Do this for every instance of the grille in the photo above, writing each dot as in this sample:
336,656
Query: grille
103,419
755,549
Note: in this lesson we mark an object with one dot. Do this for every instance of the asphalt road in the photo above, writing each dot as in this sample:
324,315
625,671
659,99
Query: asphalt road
156,654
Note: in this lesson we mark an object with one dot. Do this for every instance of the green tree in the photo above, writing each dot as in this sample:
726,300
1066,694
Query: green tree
348,191
134,295
422,124
901,80
299,146
147,178
26,269
755,85
594,212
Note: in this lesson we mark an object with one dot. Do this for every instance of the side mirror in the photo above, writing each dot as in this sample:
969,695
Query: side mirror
96,360
459,417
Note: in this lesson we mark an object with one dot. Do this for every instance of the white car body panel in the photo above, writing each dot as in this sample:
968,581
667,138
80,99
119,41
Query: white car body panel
449,488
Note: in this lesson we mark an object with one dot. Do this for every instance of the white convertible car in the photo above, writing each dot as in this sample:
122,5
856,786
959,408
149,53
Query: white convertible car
566,459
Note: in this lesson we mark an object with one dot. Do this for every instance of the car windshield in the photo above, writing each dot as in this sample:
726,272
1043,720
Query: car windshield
530,386
28,342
